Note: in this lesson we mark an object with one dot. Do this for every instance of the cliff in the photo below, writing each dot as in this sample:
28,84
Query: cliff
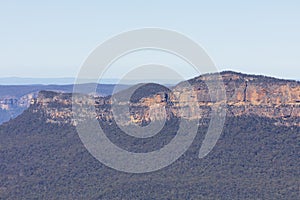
14,99
245,95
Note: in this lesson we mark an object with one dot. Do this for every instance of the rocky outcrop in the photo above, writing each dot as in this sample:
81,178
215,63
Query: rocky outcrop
12,106
14,99
245,95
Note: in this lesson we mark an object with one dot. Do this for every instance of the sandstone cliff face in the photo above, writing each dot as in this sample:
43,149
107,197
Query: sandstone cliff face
245,95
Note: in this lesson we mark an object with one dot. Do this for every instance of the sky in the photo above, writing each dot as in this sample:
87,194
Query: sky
53,39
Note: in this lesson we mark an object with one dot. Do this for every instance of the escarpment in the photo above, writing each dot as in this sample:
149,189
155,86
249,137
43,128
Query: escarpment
245,95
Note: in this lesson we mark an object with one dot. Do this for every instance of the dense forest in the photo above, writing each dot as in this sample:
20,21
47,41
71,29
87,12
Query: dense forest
253,159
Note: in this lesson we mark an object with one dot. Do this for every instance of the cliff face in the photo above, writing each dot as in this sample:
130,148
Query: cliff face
245,95
12,106
14,99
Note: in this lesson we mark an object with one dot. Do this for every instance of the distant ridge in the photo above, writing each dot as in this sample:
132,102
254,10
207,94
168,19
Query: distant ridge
71,80
48,81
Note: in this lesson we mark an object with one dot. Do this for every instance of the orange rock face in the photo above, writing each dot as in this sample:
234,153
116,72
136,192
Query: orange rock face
245,95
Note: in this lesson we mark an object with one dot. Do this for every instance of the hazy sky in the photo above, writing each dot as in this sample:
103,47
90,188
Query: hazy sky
52,39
